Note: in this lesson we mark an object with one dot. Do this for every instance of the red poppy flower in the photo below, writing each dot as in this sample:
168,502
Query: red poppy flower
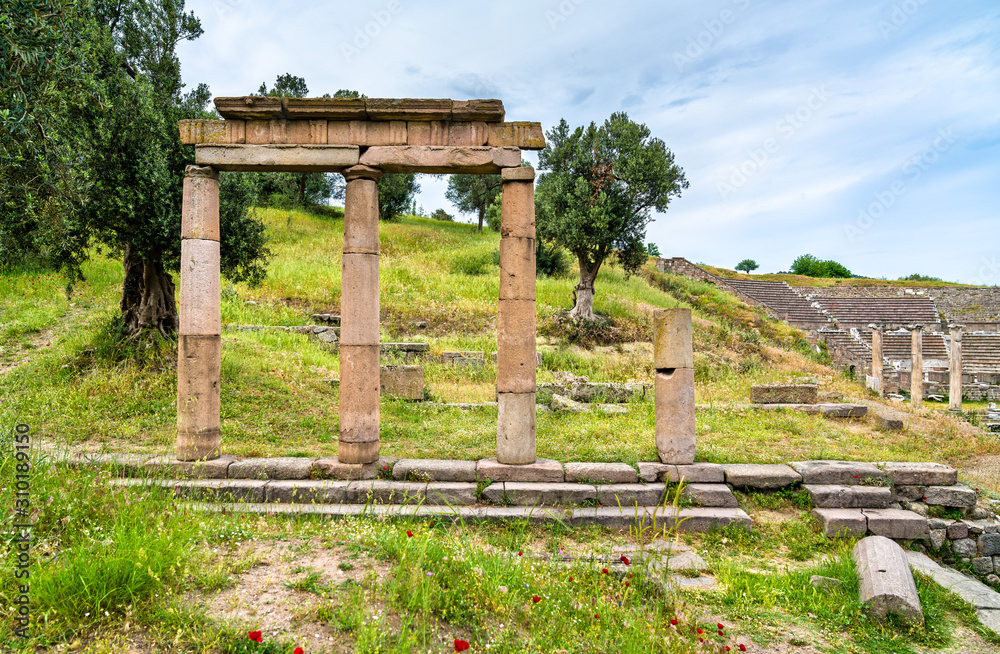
461,645
700,632
299,650
626,584
571,579
673,622
624,559
727,648
597,617
720,632
409,534
604,570
536,599
857,476
743,647
721,626
520,553
255,636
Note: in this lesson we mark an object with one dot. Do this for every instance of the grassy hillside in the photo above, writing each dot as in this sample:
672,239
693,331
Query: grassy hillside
802,280
66,372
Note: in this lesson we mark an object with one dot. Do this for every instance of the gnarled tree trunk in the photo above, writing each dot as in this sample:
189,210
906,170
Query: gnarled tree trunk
583,292
482,217
148,296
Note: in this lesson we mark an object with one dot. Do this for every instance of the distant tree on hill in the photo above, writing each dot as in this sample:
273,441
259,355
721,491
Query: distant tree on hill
747,266
810,266
595,201
919,278
441,214
652,249
473,193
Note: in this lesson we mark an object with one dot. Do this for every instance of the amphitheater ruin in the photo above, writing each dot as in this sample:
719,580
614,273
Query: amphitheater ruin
953,333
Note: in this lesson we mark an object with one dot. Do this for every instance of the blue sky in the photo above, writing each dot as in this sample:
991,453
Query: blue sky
865,132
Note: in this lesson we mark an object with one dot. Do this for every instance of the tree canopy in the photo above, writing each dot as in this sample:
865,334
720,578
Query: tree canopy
596,198
811,266
747,266
473,193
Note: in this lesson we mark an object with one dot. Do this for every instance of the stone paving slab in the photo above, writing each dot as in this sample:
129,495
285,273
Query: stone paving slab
835,496
705,519
546,470
836,472
541,494
955,496
630,494
451,492
827,410
700,473
600,473
920,474
718,495
982,597
760,475
168,465
841,523
285,467
383,491
897,523
434,470
307,491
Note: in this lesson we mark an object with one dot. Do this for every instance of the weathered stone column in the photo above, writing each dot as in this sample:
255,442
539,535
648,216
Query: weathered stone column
955,370
516,319
359,320
878,359
199,343
673,359
917,366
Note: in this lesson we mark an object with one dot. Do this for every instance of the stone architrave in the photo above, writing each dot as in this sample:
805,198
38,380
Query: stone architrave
917,367
674,386
878,360
955,370
359,320
199,346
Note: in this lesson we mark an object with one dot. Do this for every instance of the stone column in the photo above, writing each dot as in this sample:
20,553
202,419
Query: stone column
199,342
917,367
359,320
878,359
955,371
673,359
516,319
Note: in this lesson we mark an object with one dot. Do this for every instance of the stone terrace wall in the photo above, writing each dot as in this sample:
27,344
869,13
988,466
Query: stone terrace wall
681,266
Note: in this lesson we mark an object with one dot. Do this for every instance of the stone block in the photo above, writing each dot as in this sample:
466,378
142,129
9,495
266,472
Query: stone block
710,495
541,470
518,174
359,395
989,544
517,269
338,132
256,107
306,131
267,131
221,490
964,547
606,392
672,347
841,523
938,538
170,467
408,109
630,494
434,470
675,421
784,394
236,131
650,472
306,492
835,410
853,497
404,382
836,472
524,135
455,493
517,204
885,581
468,133
699,473
271,468
708,518
359,320
441,160
600,473
896,523
956,496
547,493
516,346
907,493
560,403
427,132
958,530
516,429
488,110
361,217
293,158
200,294
198,403
327,108
202,131
332,468
761,475
200,205
368,132
982,565
921,474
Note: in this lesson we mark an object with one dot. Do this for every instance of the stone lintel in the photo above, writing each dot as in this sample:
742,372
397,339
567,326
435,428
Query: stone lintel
278,158
250,107
202,131
441,159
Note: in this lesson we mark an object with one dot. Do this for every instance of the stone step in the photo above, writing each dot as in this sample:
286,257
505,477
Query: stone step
686,520
891,523
836,496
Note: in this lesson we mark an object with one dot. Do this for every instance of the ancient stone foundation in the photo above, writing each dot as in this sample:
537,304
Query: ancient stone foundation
673,359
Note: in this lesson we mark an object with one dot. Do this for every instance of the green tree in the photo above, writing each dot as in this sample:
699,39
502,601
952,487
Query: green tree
473,193
811,266
395,194
652,249
747,266
596,199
